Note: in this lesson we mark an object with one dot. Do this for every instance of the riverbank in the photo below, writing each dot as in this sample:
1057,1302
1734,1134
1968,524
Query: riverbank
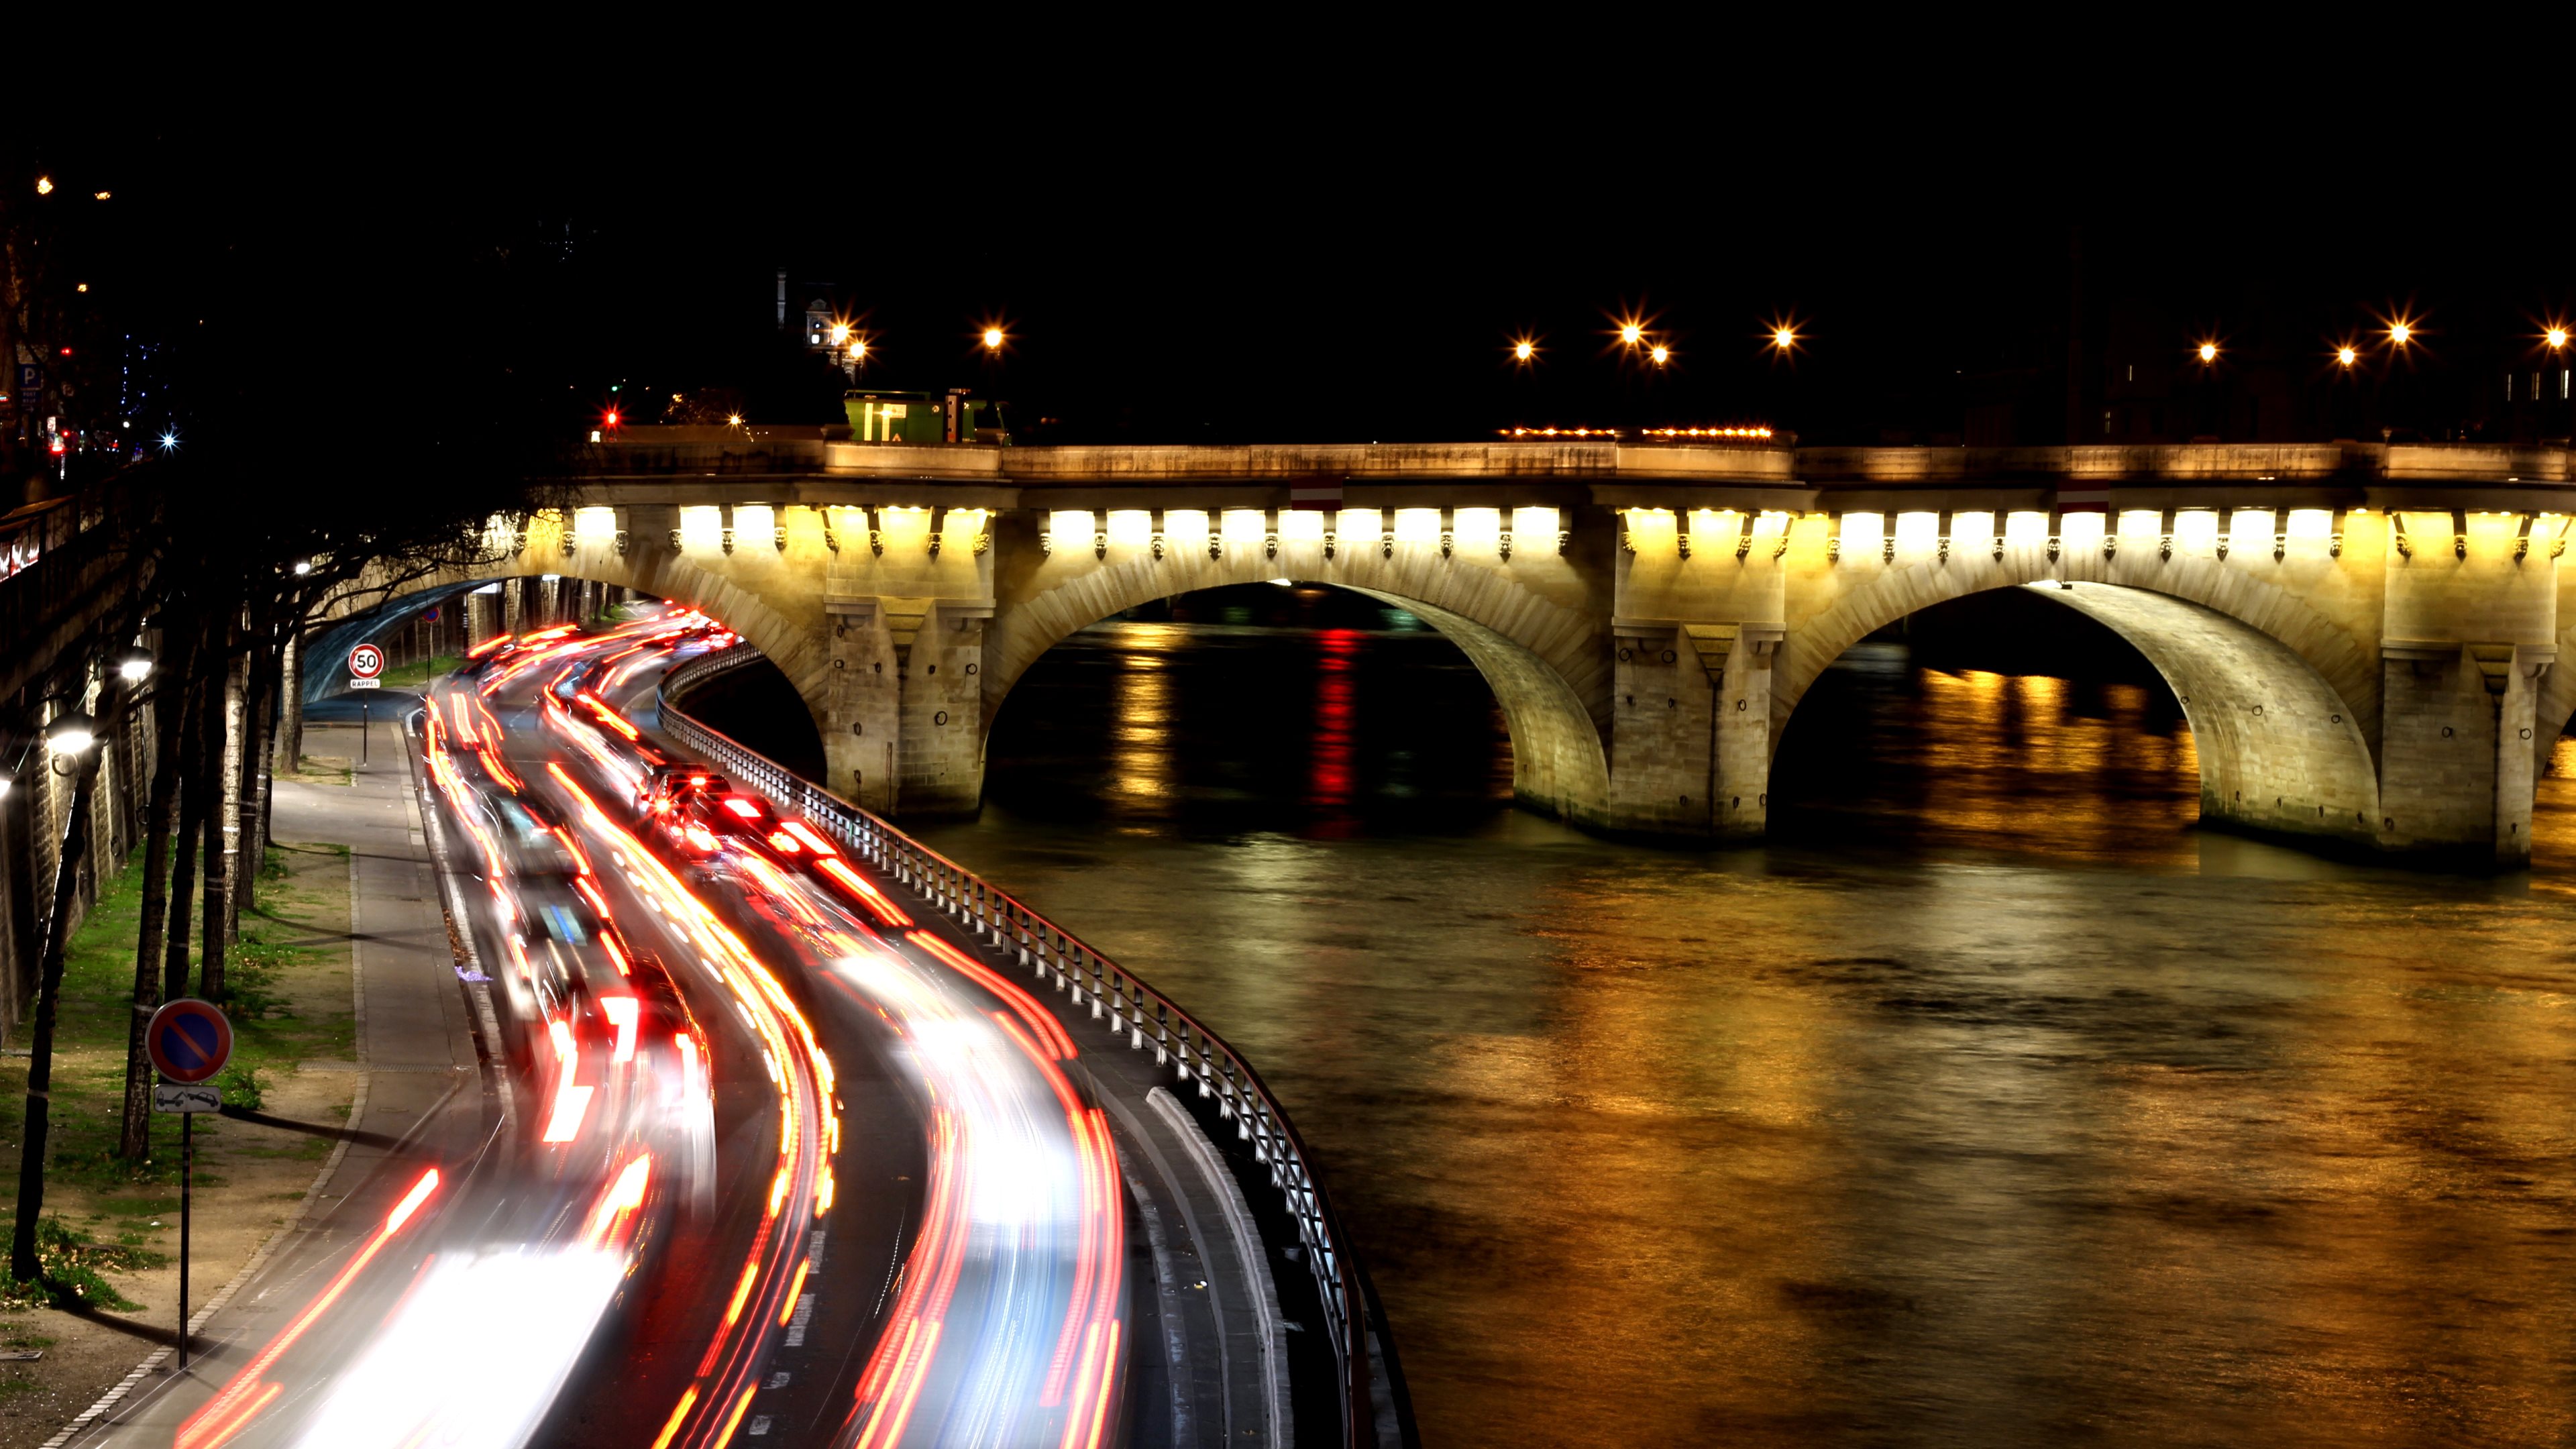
292,1015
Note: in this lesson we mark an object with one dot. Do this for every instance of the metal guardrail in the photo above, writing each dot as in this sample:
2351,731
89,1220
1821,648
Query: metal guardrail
1127,1006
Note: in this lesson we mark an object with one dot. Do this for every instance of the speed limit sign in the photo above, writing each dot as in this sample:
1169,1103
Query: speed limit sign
365,663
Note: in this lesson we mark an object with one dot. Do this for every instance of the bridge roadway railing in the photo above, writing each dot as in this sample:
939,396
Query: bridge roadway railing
1129,1008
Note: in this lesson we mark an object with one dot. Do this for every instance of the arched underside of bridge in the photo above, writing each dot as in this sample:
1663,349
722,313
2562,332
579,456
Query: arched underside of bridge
1547,667
796,651
2281,750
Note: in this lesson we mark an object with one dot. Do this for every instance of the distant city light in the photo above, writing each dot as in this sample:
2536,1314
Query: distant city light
98,196
2347,356
2556,337
1784,338
2209,352
83,287
1661,354
733,420
992,339
1524,350
1631,334
44,186
303,567
612,417
169,442
840,333
2401,332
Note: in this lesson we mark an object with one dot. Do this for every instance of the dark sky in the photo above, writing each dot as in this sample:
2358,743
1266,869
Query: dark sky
1228,258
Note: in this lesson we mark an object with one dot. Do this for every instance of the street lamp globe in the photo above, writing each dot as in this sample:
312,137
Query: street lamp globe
992,339
2347,356
134,666
1631,334
69,735
2400,333
2556,337
1661,354
2209,352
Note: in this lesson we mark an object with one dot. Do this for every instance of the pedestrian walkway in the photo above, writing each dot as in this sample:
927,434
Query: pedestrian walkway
419,1084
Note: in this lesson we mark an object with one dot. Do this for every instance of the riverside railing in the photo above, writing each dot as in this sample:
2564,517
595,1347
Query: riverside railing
1125,1005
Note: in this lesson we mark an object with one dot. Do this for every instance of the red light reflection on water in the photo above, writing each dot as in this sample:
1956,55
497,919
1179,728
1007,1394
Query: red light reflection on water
1328,780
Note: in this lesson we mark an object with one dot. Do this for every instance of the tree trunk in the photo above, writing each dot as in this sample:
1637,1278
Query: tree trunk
192,827
23,1264
290,708
223,835
170,720
254,788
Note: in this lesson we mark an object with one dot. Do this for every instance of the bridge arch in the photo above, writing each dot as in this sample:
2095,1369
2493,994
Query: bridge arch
1547,666
2282,747
660,573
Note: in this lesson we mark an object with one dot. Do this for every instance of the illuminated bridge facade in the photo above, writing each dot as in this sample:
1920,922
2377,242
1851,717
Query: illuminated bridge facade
2361,636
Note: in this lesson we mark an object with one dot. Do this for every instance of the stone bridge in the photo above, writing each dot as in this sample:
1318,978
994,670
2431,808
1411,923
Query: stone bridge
2359,635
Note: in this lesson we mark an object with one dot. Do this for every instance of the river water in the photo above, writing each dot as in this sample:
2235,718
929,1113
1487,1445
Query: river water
1991,1103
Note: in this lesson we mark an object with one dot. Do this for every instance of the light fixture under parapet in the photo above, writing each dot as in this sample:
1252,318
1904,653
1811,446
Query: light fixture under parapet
591,526
701,526
1649,531
1187,528
758,521
1540,520
1065,527
2084,530
1857,533
1916,532
1242,526
1476,528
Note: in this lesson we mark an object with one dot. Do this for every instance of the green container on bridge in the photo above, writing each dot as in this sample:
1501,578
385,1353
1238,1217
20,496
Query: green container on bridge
924,417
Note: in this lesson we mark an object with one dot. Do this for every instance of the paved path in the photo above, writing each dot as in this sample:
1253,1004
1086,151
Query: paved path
421,1079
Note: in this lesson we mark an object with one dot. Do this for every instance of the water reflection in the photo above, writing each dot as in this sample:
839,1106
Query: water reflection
1992,1104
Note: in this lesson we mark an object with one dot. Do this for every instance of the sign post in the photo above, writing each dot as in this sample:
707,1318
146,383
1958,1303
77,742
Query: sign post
189,1041
366,662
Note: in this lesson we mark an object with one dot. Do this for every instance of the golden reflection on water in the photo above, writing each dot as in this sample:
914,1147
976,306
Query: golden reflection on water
2046,1119
1140,729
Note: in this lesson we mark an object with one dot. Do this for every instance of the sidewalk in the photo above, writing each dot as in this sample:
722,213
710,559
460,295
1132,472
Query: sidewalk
416,1068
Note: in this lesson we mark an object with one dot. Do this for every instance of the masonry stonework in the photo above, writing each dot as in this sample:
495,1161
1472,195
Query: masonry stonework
2363,639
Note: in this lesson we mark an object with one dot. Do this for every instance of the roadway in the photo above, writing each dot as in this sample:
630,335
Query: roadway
721,1141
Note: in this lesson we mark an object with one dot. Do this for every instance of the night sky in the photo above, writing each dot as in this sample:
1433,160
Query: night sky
1212,266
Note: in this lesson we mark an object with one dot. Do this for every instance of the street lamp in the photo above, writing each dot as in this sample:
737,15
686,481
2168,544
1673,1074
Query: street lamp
1524,350
993,339
1661,354
1630,334
1784,337
2556,337
2347,356
840,333
2401,332
69,735
134,665
859,350
2208,352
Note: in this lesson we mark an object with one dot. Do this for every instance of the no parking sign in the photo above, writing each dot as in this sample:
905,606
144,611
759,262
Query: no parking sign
189,1040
